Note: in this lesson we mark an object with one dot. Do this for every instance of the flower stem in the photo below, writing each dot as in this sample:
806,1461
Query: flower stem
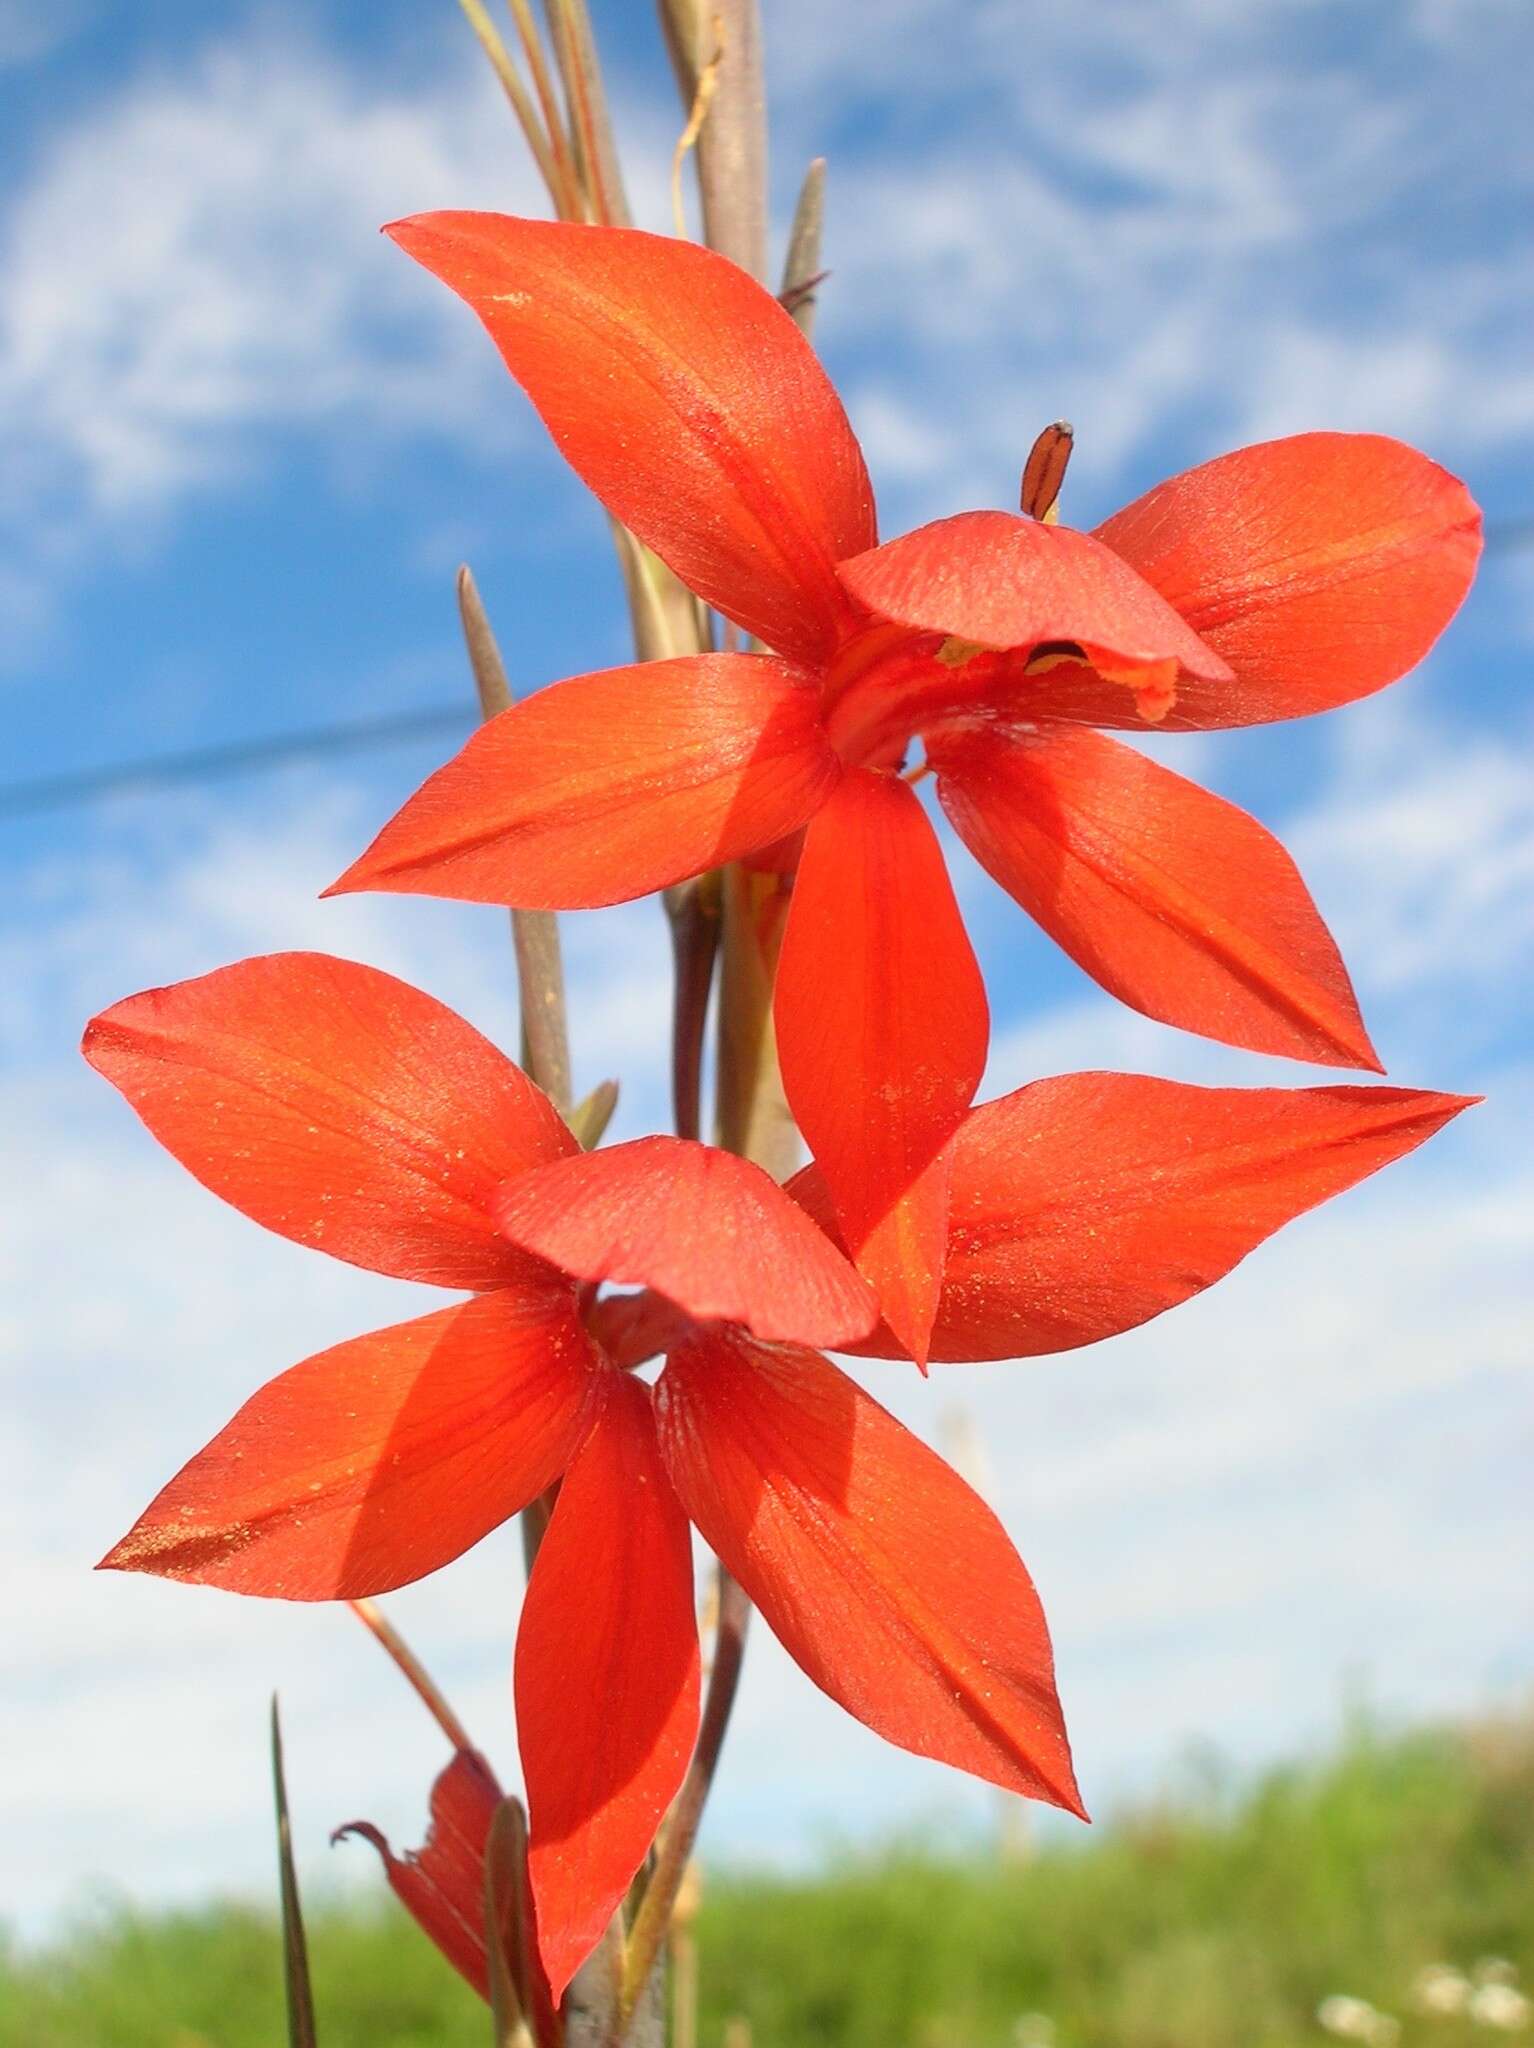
676,1844
692,911
534,933
425,1685
732,143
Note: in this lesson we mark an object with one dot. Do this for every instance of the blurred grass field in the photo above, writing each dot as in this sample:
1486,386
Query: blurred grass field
1214,1918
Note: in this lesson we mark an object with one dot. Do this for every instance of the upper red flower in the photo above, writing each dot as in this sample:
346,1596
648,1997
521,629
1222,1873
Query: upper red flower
1274,582
348,1111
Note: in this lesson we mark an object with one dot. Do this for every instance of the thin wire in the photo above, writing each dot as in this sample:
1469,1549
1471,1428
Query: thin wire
239,757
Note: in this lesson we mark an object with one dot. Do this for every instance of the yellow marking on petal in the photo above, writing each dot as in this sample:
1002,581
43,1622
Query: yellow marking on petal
955,652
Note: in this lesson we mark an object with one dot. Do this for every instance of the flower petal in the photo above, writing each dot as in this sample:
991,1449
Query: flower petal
685,397
606,1677
1084,1205
882,1029
712,1232
1005,582
607,786
1321,567
380,1460
1179,904
442,1885
339,1107
885,1578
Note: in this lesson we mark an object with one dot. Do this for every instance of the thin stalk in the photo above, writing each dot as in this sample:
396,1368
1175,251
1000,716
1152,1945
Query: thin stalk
692,911
425,1686
732,148
505,1926
580,99
534,933
676,1844
567,200
589,2008
752,1116
594,93
684,1988
516,92
708,80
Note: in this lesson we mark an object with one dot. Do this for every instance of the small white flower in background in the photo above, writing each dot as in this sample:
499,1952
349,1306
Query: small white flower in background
1355,2019
1500,2005
1494,1970
1034,2030
1440,1988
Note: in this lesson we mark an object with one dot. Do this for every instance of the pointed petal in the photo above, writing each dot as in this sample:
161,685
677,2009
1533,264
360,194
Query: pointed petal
882,1029
607,786
1005,582
606,1677
1087,1204
380,1460
685,397
1321,567
712,1232
339,1107
442,1885
884,1577
1179,904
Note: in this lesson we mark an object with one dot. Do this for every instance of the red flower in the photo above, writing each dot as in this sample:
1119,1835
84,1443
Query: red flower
1277,581
442,1886
348,1111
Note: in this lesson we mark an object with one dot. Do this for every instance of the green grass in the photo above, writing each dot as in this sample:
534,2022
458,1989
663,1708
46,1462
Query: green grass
1203,1922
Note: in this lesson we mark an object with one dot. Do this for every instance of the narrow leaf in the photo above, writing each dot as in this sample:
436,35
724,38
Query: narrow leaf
295,1950
593,1113
801,267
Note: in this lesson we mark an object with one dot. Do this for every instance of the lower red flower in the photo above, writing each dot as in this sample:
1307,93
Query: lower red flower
348,1111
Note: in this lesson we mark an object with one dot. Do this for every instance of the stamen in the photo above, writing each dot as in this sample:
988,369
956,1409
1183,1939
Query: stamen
1044,471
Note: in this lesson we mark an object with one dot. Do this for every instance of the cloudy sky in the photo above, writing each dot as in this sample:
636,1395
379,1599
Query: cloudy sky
244,446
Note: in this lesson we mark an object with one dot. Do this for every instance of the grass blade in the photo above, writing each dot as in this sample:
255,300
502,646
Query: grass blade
295,1950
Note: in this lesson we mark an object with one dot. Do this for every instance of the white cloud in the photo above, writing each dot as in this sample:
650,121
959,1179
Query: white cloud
1211,225
1431,845
194,268
1195,220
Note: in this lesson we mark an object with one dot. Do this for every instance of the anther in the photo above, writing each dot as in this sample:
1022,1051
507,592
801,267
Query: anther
1044,471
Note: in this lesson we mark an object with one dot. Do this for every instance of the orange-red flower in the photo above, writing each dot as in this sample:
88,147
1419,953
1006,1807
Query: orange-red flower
442,1884
348,1111
1273,582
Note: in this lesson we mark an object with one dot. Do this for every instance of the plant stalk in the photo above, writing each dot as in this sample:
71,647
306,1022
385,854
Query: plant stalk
425,1686
681,1832
534,933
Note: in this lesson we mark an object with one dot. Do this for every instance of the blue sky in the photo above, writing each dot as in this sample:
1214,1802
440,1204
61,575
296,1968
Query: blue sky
245,446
